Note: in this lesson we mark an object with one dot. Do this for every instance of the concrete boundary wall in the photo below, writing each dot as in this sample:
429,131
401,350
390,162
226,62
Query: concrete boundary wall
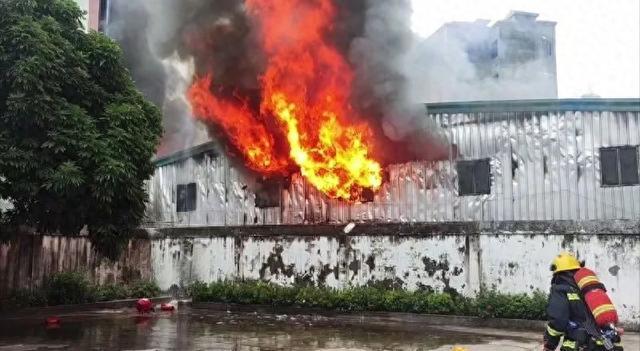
512,257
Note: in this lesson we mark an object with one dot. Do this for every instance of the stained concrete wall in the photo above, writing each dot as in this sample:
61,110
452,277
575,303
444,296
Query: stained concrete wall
28,259
511,257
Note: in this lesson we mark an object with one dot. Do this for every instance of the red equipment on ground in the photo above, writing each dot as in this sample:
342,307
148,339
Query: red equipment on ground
52,321
167,307
144,306
595,295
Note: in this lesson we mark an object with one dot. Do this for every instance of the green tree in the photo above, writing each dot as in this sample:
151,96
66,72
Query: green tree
76,136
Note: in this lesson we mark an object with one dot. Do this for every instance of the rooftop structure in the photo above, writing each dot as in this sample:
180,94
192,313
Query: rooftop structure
513,58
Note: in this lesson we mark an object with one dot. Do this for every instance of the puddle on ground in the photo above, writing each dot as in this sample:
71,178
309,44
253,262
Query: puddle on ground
206,330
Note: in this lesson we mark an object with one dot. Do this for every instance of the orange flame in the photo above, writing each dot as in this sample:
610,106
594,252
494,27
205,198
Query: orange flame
306,86
244,132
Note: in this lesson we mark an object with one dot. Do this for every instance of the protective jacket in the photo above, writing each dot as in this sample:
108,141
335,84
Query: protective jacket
568,317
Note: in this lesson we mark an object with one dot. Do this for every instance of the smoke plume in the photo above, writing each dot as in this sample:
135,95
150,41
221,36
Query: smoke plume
167,43
461,62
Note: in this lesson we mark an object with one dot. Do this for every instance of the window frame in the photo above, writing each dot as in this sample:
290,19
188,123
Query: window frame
191,202
474,164
617,149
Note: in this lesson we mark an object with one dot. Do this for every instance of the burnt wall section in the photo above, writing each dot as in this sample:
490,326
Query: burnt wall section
512,257
27,260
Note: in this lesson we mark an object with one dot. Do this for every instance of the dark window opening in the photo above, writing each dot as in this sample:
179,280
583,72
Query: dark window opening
494,49
619,166
474,177
268,194
367,195
548,45
186,197
103,15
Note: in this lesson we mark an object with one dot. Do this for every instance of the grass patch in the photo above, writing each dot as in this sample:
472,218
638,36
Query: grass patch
487,304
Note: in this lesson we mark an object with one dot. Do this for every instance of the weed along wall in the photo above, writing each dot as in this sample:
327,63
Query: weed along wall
511,257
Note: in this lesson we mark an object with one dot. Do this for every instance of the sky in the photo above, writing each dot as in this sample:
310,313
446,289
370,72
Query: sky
597,41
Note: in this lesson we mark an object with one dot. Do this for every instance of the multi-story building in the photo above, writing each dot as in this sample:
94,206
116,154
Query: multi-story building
97,13
514,58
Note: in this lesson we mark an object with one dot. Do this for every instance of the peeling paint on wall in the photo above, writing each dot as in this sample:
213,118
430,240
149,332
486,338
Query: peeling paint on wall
526,267
512,257
509,262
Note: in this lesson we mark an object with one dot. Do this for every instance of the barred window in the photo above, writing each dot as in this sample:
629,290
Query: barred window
619,166
474,177
186,197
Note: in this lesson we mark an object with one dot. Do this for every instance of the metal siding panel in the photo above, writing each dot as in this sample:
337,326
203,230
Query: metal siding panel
558,177
507,183
547,194
515,173
618,134
572,166
634,139
538,168
590,178
597,143
608,139
582,160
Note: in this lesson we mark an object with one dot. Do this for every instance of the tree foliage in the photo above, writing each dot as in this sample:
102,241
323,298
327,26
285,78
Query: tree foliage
76,136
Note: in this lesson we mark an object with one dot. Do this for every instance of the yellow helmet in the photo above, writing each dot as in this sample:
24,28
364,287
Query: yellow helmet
565,262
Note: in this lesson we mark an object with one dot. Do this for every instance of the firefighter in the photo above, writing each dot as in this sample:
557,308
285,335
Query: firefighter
569,317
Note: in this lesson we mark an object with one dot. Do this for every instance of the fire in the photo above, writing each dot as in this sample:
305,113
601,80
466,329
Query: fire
248,135
305,90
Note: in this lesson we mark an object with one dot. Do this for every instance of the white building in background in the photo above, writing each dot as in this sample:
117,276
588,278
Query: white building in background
97,13
511,59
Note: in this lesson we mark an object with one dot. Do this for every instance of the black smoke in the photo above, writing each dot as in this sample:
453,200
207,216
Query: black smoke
218,36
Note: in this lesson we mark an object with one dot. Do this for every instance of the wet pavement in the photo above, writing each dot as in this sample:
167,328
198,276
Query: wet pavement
206,330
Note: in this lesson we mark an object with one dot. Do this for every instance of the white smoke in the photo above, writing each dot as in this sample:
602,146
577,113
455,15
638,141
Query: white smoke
141,27
380,57
441,69
182,130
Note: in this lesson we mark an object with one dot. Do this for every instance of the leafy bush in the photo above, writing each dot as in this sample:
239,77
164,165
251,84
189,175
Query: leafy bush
487,304
143,288
441,304
199,292
110,292
68,288
74,288
491,304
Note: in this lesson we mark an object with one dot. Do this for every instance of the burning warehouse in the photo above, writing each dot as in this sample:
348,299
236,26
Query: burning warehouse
317,160
521,181
313,128
310,109
506,161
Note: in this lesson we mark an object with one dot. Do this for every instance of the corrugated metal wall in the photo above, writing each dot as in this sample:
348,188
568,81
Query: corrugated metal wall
222,195
544,158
